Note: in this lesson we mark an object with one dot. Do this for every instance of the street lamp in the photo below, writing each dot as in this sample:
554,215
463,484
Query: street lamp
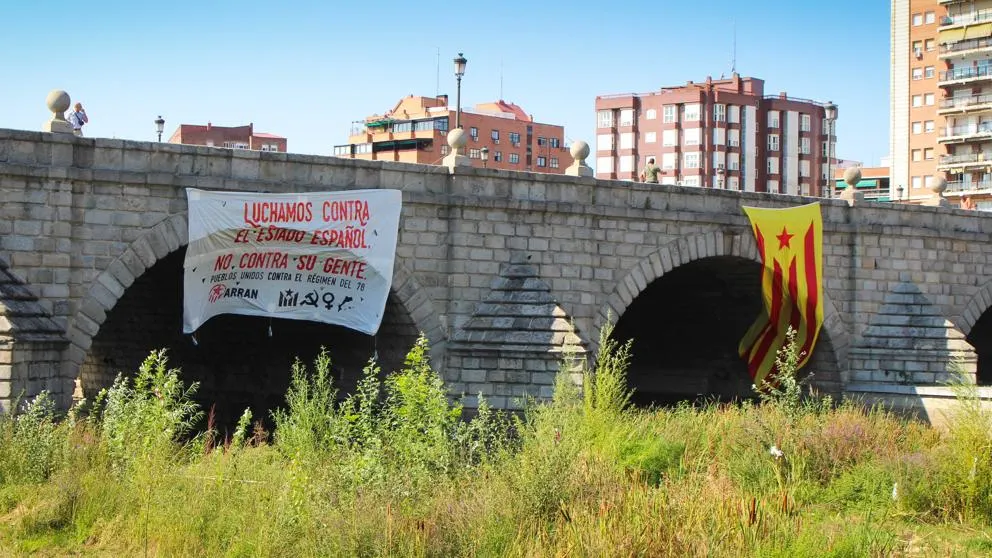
830,112
719,178
460,62
485,157
899,191
160,126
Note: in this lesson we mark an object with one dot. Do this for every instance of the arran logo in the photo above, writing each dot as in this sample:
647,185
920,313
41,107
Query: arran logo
216,292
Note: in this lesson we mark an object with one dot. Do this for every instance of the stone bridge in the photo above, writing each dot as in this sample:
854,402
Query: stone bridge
502,271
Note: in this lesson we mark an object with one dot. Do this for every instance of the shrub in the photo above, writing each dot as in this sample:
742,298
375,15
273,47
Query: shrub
31,442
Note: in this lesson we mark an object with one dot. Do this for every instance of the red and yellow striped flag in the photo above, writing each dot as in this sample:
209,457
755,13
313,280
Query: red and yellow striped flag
790,242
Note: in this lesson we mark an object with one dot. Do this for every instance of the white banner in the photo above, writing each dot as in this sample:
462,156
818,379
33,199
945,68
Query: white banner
324,257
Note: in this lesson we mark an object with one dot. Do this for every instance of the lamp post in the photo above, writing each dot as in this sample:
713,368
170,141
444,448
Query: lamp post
899,192
160,126
460,62
830,112
719,178
485,157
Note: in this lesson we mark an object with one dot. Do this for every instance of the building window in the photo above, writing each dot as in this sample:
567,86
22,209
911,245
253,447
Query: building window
928,126
541,142
342,150
917,155
927,181
555,143
804,146
627,140
734,161
494,135
651,114
441,124
626,163
691,160
733,184
804,122
917,19
542,161
363,148
668,114
474,132
515,158
651,137
917,74
772,142
603,164
210,143
691,136
554,163
445,149
824,148
235,145
917,47
474,153
515,138
931,44
929,17
773,165
928,154
719,136
734,114
917,100
604,119
690,181
719,112
718,159
928,99
917,127
772,186
773,119
928,72
915,182
734,137
691,112
498,156
667,161
804,169
669,138
627,117
604,142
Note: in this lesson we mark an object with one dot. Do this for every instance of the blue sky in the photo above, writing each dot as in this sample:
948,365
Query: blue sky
305,70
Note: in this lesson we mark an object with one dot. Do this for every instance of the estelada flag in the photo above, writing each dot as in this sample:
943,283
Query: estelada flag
790,242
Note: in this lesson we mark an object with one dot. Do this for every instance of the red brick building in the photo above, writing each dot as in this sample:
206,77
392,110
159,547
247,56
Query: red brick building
237,137
416,129
718,133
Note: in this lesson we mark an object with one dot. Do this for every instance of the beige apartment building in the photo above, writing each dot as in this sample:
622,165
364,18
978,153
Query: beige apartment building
941,99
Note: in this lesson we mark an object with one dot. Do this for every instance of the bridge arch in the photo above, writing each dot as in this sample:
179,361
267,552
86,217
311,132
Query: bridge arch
697,249
975,322
165,242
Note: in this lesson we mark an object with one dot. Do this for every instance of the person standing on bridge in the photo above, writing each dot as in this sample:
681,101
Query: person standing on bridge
77,118
650,172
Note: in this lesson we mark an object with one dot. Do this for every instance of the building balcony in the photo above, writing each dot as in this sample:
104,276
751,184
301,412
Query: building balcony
964,162
968,187
964,105
967,47
961,76
966,18
968,132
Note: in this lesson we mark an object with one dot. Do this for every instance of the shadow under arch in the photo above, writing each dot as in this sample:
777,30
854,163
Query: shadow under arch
975,322
689,303
135,306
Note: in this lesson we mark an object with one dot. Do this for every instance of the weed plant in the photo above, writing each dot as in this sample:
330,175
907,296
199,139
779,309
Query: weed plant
396,469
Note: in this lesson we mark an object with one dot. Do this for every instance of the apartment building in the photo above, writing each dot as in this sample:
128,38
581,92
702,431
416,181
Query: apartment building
941,98
232,137
501,135
718,133
874,183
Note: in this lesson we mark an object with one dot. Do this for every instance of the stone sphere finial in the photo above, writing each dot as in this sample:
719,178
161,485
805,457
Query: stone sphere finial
939,185
457,138
579,150
852,176
58,102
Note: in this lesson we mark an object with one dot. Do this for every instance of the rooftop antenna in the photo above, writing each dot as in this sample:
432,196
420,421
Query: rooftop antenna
733,59
500,79
437,84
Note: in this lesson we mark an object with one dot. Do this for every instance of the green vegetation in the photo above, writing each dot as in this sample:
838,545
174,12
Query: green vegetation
394,469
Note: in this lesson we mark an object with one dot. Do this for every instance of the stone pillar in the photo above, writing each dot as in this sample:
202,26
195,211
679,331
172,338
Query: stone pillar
938,199
851,194
457,141
579,150
58,103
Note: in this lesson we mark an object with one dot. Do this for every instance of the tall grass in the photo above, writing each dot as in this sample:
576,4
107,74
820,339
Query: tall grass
395,469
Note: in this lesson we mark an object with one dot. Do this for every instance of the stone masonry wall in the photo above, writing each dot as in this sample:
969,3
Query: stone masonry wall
80,218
